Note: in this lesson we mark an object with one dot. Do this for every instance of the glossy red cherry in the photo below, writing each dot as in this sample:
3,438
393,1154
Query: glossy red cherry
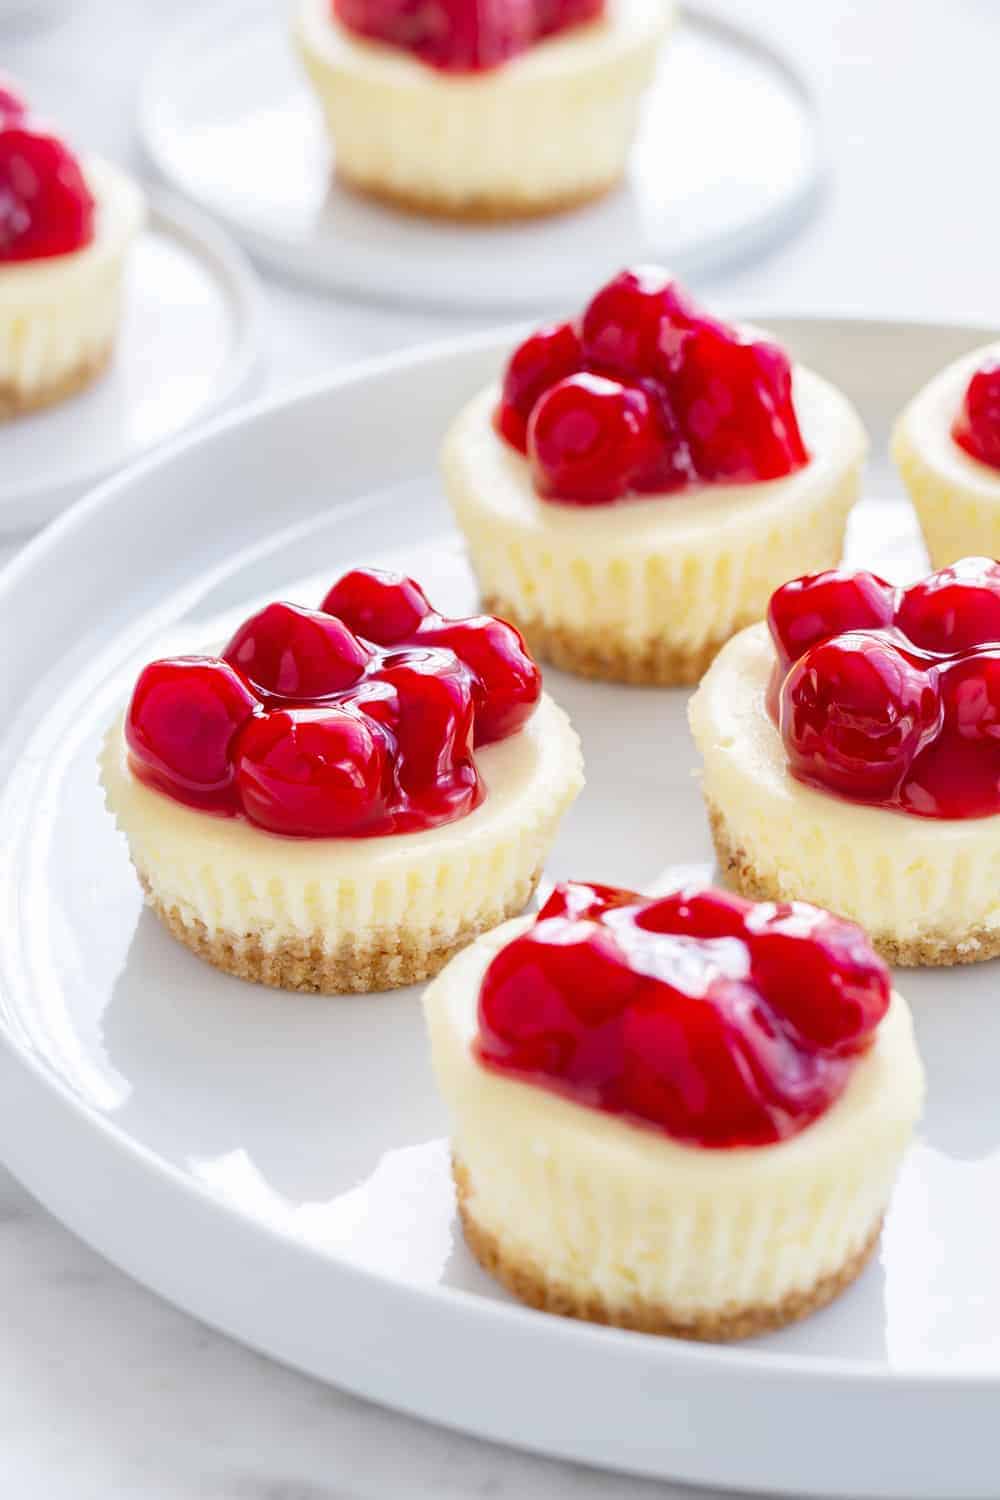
555,1006
544,359
379,605
12,106
821,605
970,693
289,652
45,205
434,721
700,913
690,1069
720,1022
454,35
181,724
635,324
312,772
588,438
977,426
558,15
734,403
854,712
820,973
954,609
506,683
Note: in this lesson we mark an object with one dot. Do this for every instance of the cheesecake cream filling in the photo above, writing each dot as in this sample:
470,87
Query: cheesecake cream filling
625,1213
902,878
552,123
60,315
693,566
239,880
957,498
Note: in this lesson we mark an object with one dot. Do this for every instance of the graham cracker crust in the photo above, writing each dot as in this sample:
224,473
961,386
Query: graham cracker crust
929,950
596,654
16,402
307,966
486,209
531,1285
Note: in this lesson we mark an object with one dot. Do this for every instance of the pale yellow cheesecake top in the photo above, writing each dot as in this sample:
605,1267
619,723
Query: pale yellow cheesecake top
627,23
903,878
924,430
887,1079
475,457
228,873
744,758
120,212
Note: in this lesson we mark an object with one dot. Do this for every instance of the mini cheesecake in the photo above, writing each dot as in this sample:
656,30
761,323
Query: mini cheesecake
642,479
345,797
65,231
851,757
946,446
475,112
682,1115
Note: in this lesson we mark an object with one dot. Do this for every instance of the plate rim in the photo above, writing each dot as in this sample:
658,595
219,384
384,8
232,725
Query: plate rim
676,1355
187,224
730,247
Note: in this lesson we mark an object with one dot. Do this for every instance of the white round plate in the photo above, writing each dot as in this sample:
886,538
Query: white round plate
278,1164
727,159
188,346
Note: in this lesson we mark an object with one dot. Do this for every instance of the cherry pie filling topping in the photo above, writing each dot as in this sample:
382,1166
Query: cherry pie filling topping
355,720
721,1022
976,427
463,36
46,208
889,696
647,394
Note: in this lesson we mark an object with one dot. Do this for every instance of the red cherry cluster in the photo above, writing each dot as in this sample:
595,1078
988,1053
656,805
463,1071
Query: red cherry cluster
463,36
721,1022
647,394
976,428
892,696
355,720
45,205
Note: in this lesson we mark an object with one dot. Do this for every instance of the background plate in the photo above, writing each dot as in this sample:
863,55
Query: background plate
188,347
727,159
277,1164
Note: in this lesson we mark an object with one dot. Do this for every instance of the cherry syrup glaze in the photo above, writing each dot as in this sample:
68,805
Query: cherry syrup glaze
356,720
46,207
976,428
647,394
721,1022
889,696
463,36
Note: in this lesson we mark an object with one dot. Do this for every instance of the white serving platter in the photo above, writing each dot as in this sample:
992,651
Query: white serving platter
727,161
189,345
277,1165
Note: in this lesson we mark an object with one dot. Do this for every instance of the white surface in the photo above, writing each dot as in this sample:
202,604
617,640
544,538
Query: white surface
228,118
188,346
108,1393
220,1142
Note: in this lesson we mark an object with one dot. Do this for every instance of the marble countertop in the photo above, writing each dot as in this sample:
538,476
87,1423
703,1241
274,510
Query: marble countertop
110,1394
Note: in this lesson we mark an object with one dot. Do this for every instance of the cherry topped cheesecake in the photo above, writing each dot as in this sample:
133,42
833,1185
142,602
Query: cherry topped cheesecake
682,1114
643,477
481,111
65,229
947,448
345,796
851,755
